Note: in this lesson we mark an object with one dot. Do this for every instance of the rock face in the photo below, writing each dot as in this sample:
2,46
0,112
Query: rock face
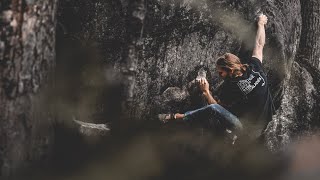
162,45
179,37
297,114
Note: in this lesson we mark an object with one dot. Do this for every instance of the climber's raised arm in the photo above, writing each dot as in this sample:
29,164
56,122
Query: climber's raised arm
260,38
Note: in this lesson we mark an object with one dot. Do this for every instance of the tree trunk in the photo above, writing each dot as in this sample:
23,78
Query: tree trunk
308,58
27,53
310,35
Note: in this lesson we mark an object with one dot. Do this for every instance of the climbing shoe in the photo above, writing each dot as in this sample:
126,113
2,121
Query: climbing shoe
164,118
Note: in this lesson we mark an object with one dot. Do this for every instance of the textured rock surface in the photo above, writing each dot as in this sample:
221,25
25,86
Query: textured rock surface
297,106
27,50
180,37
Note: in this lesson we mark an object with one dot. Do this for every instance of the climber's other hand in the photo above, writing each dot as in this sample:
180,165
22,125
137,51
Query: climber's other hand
204,85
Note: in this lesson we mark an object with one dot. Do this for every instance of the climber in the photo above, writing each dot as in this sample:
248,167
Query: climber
245,101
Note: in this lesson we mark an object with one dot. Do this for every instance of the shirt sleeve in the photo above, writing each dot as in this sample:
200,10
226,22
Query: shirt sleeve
256,64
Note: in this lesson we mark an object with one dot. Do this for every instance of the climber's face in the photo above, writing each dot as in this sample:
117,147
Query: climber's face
222,72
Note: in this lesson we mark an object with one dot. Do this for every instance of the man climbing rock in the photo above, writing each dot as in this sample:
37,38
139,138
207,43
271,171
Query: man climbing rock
245,103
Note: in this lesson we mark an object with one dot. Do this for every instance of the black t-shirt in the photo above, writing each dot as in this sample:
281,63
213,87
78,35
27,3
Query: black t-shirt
248,97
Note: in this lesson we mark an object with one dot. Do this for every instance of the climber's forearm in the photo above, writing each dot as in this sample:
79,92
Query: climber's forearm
261,35
260,39
209,97
259,42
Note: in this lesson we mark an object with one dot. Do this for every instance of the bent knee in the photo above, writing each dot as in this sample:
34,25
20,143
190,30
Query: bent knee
214,106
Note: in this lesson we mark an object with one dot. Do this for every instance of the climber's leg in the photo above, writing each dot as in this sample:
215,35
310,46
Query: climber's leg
214,112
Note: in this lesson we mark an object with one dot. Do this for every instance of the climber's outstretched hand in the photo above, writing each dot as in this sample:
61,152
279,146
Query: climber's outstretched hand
262,19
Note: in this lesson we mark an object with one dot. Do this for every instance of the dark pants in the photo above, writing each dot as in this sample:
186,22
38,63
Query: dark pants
216,114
